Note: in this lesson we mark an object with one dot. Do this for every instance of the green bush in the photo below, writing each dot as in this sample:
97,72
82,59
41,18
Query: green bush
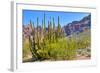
26,49
63,49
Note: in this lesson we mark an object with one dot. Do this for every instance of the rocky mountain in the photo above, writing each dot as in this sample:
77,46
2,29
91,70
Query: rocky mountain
27,30
78,26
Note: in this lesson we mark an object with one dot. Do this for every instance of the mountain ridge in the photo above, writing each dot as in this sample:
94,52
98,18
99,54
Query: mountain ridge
77,26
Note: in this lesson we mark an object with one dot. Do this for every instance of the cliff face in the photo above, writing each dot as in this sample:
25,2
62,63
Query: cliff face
78,26
27,29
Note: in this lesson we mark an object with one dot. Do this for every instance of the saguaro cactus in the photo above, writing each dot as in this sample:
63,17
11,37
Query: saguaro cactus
50,31
44,22
37,32
59,27
32,43
53,30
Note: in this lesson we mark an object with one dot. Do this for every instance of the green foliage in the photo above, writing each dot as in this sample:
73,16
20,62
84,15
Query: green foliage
26,49
61,50
71,48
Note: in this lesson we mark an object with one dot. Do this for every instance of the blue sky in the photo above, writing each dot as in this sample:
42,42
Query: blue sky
65,17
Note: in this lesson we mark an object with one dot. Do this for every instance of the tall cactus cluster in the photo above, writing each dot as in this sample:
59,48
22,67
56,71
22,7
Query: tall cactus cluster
39,38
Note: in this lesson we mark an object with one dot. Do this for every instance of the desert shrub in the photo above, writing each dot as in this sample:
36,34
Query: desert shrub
26,49
71,48
84,43
63,49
